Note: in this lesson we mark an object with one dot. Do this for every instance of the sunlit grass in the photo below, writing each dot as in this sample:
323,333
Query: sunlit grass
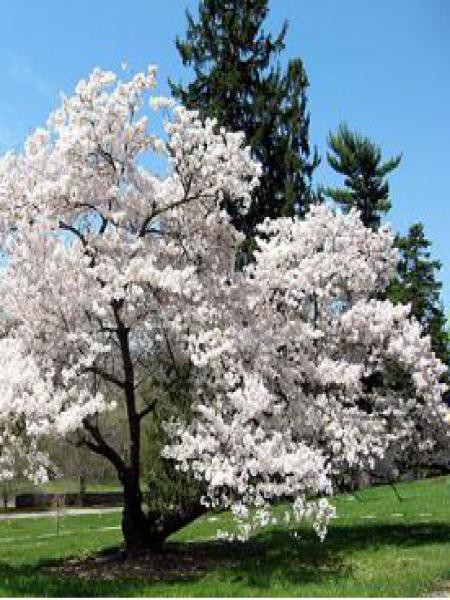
377,546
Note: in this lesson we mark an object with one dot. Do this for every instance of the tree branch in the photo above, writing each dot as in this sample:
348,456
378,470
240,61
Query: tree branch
74,230
157,211
102,447
147,410
106,376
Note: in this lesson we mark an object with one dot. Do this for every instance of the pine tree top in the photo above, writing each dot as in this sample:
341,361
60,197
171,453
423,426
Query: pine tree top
239,80
360,161
418,285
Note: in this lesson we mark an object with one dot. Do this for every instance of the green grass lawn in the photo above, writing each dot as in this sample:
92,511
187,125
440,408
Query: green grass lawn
67,486
377,546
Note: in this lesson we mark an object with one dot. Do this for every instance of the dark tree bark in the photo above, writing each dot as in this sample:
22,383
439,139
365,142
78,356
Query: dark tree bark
141,531
135,523
149,531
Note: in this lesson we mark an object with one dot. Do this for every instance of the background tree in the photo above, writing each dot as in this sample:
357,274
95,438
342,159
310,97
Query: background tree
359,160
168,488
417,285
239,81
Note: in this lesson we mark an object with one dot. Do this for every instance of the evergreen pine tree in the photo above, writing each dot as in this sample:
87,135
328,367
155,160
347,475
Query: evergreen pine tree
417,284
239,81
360,161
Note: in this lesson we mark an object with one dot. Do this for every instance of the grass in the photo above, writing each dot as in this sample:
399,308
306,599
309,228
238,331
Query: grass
67,486
378,546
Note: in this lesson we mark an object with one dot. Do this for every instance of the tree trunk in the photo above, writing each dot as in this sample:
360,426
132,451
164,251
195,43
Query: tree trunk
147,532
141,531
135,523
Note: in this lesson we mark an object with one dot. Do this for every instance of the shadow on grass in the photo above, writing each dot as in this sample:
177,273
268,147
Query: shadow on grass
269,557
277,556
26,581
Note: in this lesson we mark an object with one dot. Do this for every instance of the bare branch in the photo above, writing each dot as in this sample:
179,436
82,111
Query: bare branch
147,410
101,446
106,376
74,230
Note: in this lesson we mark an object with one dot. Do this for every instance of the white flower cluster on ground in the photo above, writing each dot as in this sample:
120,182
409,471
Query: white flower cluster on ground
115,276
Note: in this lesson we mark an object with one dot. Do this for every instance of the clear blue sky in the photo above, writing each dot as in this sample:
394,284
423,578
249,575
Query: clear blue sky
382,66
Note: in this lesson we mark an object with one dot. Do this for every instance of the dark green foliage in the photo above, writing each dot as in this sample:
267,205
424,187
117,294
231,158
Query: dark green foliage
239,81
417,284
359,160
167,489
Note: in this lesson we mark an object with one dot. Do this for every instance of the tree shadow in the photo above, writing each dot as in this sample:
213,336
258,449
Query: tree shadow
26,581
306,560
272,556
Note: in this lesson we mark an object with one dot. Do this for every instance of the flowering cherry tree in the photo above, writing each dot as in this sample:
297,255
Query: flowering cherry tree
109,263
295,392
117,278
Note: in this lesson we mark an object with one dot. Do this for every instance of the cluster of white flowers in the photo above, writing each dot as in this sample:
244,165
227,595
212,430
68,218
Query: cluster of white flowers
95,242
23,414
287,401
116,276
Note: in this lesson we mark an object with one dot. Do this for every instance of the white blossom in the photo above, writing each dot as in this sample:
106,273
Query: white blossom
103,254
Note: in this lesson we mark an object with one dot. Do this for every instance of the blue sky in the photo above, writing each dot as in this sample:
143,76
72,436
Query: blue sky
381,66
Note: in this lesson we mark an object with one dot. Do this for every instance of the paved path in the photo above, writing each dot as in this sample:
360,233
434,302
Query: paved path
443,592
64,512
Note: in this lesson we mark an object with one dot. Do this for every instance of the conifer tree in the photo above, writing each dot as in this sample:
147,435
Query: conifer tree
417,285
239,81
359,160
366,188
